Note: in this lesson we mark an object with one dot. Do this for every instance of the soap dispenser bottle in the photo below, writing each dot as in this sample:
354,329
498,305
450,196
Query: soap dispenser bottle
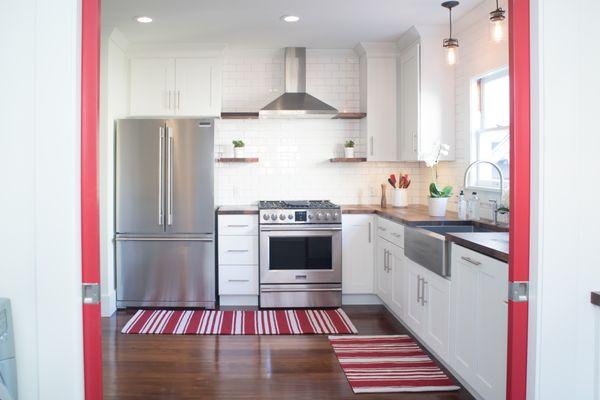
473,208
462,206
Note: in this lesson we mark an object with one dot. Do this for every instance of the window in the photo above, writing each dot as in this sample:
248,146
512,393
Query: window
490,120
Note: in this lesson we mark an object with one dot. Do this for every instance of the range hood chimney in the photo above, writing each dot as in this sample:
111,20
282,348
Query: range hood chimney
295,102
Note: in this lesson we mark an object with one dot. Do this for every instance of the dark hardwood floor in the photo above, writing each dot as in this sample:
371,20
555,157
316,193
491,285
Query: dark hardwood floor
238,367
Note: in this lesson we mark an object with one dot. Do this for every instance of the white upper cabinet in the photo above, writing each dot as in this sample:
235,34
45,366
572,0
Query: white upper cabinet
357,254
198,86
425,92
378,100
176,86
152,86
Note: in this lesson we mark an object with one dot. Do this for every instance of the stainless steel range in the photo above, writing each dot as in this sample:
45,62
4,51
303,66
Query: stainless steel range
300,254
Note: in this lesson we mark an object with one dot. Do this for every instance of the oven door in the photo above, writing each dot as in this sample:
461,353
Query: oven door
306,254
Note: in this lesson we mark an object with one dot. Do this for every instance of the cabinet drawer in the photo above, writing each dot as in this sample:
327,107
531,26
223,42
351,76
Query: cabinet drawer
238,279
391,231
238,250
238,225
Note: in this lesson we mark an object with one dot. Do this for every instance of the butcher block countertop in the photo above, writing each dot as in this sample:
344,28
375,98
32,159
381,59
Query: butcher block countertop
492,244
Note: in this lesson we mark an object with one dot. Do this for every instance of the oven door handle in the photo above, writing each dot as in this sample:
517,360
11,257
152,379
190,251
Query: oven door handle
297,229
300,290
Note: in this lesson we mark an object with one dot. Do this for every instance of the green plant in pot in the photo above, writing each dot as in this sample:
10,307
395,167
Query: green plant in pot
438,198
238,148
349,148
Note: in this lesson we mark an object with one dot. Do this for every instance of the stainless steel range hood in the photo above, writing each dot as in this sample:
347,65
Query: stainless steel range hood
295,102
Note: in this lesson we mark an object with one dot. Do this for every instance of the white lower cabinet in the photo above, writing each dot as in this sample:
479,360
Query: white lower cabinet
415,309
479,323
436,296
399,282
357,253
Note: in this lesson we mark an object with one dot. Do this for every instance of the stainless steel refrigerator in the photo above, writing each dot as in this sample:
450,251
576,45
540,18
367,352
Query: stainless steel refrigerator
164,213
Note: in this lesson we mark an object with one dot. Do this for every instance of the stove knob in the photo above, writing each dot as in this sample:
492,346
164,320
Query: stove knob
335,215
327,216
266,217
290,216
310,216
319,215
273,217
282,217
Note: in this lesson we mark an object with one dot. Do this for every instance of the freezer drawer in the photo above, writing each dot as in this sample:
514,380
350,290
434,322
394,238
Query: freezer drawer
165,272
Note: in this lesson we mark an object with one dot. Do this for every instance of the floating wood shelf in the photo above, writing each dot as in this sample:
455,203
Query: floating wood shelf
239,115
238,160
254,115
348,160
350,115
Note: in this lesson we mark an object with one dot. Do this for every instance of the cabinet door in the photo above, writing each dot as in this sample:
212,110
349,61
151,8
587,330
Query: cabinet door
383,271
415,310
409,94
399,283
198,87
480,317
380,123
152,86
357,254
436,291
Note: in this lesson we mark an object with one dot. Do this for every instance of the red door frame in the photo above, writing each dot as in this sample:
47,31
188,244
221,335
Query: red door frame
520,184
90,218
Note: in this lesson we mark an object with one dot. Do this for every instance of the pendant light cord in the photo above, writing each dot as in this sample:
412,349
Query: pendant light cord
450,10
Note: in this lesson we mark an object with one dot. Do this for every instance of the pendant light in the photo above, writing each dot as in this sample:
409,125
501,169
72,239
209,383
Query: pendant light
497,18
450,43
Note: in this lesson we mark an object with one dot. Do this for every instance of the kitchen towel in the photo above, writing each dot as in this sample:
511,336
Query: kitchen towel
386,364
242,322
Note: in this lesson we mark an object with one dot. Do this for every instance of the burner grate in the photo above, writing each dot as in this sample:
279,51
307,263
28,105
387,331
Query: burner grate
296,204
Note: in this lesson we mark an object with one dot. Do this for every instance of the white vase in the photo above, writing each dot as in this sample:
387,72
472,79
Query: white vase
349,152
238,152
400,198
437,206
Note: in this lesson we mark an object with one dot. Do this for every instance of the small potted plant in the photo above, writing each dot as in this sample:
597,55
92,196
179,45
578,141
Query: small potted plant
349,149
238,148
438,199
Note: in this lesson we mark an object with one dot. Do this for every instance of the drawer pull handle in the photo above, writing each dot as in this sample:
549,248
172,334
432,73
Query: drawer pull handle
396,235
237,251
237,226
381,229
470,260
238,280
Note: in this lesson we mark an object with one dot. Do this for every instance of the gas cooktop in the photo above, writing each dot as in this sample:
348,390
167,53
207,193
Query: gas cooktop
297,204
299,212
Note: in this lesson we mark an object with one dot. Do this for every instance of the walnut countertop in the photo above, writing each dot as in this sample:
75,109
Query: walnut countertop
411,215
492,244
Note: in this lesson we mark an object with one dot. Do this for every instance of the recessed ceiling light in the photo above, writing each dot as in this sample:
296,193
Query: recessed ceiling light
143,19
290,18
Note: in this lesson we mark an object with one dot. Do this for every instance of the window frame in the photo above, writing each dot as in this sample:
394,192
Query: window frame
477,119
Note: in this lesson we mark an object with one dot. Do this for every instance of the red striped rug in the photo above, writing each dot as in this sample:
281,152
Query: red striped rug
384,364
262,322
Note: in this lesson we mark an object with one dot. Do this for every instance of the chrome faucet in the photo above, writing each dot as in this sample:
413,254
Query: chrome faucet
495,204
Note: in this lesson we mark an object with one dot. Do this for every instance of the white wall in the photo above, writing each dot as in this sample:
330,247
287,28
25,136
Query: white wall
40,262
477,56
294,154
114,104
564,351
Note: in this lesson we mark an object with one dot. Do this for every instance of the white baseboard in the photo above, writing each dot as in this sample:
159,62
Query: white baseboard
108,303
238,300
360,299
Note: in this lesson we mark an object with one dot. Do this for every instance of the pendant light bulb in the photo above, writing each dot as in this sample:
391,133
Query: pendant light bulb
450,44
497,18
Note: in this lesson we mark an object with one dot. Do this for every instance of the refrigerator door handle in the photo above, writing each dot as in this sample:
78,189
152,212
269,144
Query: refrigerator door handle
169,176
161,168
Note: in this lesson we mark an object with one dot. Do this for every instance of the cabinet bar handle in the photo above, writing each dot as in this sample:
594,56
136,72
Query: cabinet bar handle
237,251
237,226
470,260
369,232
381,229
418,288
423,301
371,145
178,99
169,96
238,280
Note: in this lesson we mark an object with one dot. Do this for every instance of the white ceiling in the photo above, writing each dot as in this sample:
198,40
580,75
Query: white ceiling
257,24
